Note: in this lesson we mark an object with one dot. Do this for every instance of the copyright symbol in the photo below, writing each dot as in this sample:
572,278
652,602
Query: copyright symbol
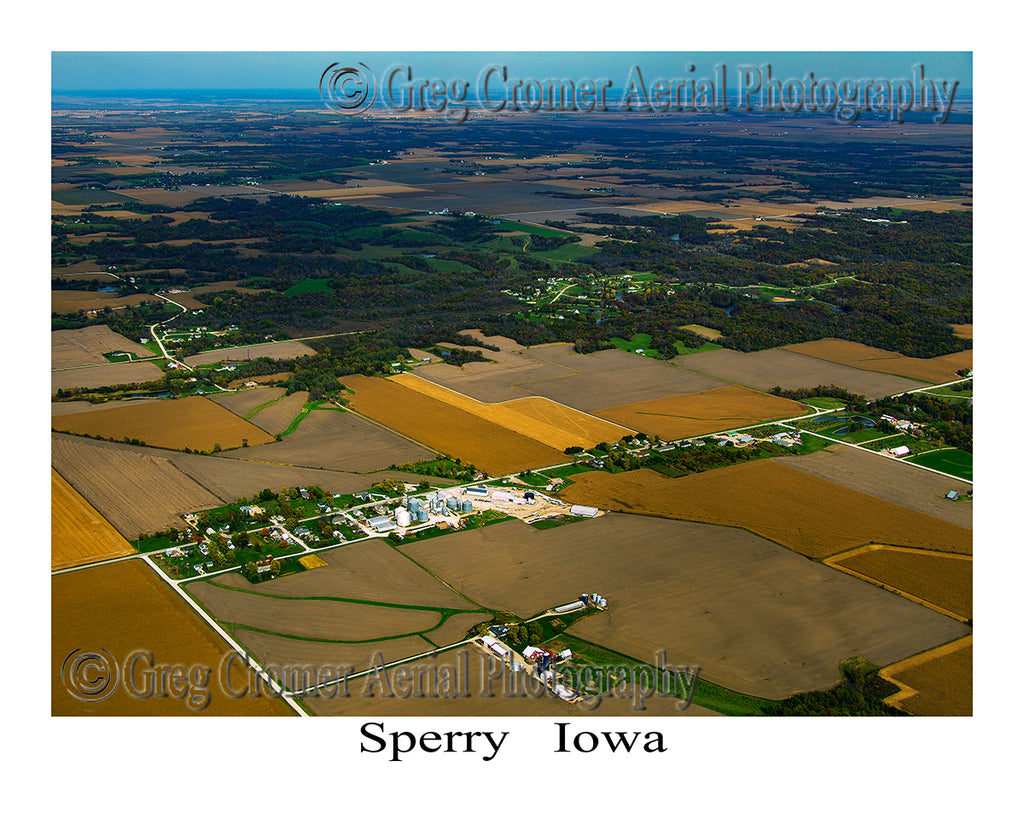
348,89
89,676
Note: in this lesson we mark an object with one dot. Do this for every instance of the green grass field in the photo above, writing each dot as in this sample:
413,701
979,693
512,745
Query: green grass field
953,462
88,197
308,286
707,347
639,342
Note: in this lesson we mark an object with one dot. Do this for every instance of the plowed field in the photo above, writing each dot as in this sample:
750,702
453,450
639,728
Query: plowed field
934,370
944,581
806,514
194,423
543,420
78,533
124,608
784,368
937,683
331,439
682,416
444,428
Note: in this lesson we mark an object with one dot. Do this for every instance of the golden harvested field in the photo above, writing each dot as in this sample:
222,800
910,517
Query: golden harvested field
490,447
801,512
469,666
328,620
784,368
73,348
963,330
312,562
704,332
124,608
368,570
71,301
538,418
194,422
937,683
333,439
138,493
888,479
682,416
934,370
274,349
78,533
105,375
940,580
754,616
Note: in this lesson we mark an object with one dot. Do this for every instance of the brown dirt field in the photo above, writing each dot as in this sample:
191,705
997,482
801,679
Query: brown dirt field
933,370
494,449
468,666
78,533
71,301
328,620
71,407
330,439
128,489
682,416
276,350
789,370
963,330
259,379
543,420
244,402
943,581
938,683
367,570
123,608
174,199
330,191
585,382
888,479
755,617
809,515
278,416
137,493
503,343
193,422
287,651
72,348
616,377
704,332
104,375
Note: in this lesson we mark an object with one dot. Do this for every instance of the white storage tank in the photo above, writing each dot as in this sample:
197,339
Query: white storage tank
402,517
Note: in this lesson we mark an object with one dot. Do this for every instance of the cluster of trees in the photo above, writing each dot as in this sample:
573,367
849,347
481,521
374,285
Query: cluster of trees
949,422
861,693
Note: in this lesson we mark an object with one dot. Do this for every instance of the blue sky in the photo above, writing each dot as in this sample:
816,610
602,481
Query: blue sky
105,71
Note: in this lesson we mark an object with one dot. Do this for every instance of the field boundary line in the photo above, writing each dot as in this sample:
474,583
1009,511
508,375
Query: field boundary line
237,647
890,671
833,562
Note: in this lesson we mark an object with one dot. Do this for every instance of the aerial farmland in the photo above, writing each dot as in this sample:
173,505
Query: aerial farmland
541,401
